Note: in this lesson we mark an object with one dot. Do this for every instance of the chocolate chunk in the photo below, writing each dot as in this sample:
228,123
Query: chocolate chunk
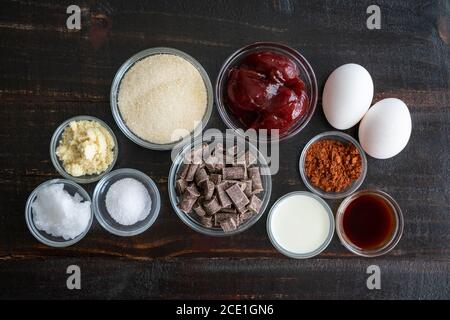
186,204
198,209
228,210
207,189
182,172
206,221
212,206
191,172
180,186
255,204
229,224
219,217
215,178
244,216
224,199
191,191
237,172
200,176
242,185
237,196
255,176
210,164
248,188
198,152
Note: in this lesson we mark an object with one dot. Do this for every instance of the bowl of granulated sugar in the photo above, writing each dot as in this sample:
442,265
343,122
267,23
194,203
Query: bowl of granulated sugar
160,97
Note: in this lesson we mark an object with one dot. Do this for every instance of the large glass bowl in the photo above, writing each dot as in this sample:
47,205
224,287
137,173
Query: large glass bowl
307,75
116,87
215,231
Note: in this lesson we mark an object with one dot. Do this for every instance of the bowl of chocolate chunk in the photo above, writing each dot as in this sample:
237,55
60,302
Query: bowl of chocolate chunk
219,186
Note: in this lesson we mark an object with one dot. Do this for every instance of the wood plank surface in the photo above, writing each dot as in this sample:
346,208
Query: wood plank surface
48,74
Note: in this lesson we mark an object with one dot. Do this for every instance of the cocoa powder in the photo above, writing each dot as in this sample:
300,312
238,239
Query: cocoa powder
332,165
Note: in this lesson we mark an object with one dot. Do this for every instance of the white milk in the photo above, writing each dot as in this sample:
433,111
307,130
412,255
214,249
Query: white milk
300,223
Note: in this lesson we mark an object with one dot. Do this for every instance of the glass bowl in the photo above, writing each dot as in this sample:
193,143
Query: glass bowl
307,75
345,138
116,87
99,205
58,164
294,254
396,235
266,180
42,236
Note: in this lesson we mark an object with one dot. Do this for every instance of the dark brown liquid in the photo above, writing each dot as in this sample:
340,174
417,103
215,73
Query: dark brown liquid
369,222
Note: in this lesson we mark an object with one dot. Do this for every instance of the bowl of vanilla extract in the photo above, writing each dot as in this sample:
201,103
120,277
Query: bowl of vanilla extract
369,223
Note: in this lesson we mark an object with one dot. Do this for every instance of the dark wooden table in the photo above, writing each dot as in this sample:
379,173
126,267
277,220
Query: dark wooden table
49,74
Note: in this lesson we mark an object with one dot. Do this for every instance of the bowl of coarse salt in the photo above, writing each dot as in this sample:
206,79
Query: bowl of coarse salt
161,97
126,202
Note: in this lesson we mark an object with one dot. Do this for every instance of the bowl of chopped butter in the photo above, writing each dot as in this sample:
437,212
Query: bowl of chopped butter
83,149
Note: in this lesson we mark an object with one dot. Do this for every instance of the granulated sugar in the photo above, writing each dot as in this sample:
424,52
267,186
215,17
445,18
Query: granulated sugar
58,213
128,201
162,98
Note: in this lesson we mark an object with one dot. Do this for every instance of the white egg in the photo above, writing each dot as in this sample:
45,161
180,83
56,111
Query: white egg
385,129
347,95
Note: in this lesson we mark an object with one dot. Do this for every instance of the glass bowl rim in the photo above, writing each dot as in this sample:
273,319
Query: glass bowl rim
311,254
210,231
29,219
226,117
153,214
396,236
354,186
129,63
54,145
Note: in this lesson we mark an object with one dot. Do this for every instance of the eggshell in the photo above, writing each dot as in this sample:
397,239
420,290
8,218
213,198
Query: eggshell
385,129
347,95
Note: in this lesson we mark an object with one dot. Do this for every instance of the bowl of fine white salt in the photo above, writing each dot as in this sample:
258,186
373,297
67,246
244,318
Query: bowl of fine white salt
58,213
126,202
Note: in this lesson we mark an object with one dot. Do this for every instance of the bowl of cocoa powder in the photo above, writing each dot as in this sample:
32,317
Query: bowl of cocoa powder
333,165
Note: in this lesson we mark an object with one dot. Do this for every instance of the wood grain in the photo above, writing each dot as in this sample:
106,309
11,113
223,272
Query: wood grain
49,74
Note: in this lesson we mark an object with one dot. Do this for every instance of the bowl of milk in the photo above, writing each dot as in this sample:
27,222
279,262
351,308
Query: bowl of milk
300,225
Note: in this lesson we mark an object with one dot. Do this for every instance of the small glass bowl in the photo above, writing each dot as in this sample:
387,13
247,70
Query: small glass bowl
307,75
342,137
116,87
99,204
396,235
266,180
42,236
293,254
56,138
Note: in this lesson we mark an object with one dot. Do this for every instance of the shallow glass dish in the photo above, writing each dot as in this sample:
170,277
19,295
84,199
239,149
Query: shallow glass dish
307,75
266,180
396,235
116,87
72,188
54,142
294,254
342,137
99,204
